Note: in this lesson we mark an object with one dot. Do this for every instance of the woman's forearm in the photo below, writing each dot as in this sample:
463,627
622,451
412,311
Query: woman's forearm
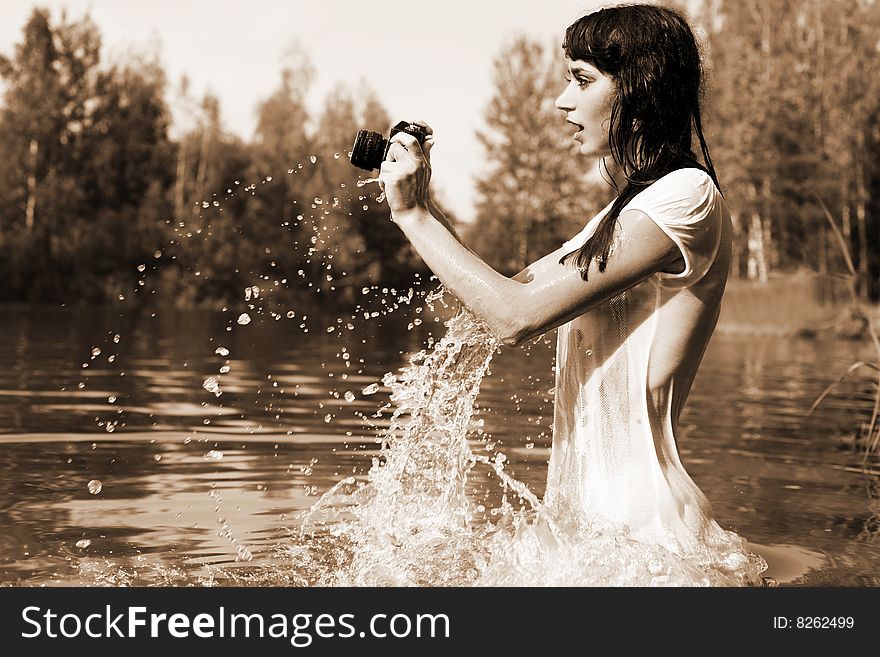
484,291
437,213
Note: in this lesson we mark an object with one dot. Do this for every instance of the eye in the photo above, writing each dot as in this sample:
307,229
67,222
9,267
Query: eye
582,82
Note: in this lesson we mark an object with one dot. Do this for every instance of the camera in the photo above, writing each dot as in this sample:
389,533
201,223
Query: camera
370,148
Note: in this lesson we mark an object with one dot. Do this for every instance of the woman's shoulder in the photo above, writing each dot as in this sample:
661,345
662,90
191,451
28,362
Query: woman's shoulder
686,179
683,192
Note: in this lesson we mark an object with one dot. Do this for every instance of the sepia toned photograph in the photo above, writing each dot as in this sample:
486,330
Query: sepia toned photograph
463,294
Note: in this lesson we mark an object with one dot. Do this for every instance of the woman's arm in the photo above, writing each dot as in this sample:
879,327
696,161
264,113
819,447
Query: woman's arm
541,297
545,294
437,213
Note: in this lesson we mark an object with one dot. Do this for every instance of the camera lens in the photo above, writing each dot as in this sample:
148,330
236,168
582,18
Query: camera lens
368,150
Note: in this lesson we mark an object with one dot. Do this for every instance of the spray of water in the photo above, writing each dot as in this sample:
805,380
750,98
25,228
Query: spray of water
413,523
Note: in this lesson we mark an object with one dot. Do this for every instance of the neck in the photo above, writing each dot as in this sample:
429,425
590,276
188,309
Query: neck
611,173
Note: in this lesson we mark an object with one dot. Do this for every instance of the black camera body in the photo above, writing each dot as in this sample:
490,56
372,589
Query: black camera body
370,148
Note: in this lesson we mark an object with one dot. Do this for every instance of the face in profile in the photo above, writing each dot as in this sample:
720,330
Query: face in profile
587,102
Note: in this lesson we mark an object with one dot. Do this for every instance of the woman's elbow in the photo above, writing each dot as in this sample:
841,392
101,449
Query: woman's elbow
514,334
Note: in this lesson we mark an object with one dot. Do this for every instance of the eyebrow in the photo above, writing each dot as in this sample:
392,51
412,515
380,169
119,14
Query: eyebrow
577,68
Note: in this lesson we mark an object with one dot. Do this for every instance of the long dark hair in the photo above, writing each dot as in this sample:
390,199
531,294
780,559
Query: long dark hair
652,56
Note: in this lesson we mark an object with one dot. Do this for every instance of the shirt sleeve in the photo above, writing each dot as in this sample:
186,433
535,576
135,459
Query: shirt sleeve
687,206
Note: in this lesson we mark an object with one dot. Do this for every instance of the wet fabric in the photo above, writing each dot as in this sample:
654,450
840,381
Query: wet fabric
623,373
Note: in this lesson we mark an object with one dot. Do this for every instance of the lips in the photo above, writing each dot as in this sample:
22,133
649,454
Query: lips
579,127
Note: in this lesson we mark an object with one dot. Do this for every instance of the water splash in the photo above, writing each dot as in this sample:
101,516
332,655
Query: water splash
413,523
212,385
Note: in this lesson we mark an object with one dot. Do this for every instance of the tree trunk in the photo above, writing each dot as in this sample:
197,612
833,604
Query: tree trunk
201,174
757,260
523,247
862,283
736,254
31,209
770,246
180,181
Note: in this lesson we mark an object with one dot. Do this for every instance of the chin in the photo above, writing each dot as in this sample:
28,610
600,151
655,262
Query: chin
589,150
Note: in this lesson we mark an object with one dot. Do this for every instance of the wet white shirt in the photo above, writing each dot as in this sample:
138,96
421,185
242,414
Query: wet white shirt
623,373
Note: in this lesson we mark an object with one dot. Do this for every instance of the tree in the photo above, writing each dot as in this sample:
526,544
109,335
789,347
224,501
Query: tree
534,195
84,153
792,113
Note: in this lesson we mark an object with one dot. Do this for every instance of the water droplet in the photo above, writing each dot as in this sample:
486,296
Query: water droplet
366,207
157,457
318,200
221,351
380,198
111,399
213,455
290,314
349,396
157,254
83,543
224,369
268,178
312,159
244,319
96,351
117,338
370,389
141,267
95,486
211,385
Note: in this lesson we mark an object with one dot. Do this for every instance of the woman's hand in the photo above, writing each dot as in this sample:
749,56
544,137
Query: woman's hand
406,172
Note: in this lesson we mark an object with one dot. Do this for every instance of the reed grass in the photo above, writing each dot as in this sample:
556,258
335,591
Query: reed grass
871,431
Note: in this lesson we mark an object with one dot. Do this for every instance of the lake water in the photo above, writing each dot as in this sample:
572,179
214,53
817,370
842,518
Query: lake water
121,466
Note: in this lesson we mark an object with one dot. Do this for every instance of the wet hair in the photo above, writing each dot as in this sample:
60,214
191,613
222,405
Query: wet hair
652,57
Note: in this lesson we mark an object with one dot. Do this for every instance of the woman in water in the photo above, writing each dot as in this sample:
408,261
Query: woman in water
635,295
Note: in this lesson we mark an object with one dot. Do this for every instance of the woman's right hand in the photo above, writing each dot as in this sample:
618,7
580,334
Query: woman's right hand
428,144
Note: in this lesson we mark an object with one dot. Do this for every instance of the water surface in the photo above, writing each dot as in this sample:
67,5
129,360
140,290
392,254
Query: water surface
195,487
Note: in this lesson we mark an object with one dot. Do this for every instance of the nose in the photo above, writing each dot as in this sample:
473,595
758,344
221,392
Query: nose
565,102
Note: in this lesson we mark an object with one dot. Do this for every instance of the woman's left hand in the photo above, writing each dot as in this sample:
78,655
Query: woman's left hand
405,175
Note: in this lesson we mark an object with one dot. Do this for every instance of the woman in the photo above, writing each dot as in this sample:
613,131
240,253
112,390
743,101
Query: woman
636,294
